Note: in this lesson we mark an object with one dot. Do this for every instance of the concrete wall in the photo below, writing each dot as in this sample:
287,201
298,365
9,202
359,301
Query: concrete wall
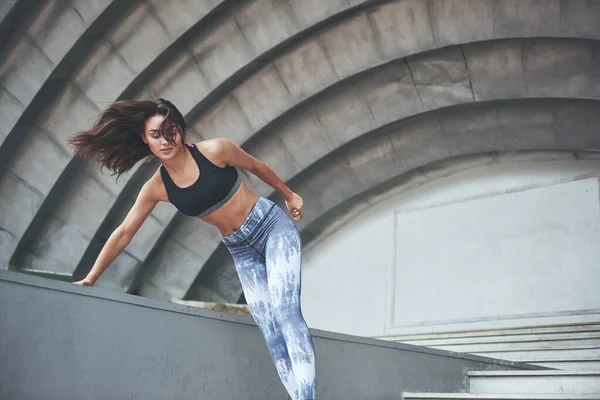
295,83
506,245
62,341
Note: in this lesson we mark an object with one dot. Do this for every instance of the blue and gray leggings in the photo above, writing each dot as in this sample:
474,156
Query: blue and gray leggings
267,251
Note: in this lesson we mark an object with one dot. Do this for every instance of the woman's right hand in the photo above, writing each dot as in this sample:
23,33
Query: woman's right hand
85,282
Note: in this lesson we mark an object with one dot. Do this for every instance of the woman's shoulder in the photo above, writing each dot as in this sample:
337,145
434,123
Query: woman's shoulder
215,144
214,149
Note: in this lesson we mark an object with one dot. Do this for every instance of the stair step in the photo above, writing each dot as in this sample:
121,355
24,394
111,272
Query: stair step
542,381
574,354
585,344
571,328
588,365
495,396
549,339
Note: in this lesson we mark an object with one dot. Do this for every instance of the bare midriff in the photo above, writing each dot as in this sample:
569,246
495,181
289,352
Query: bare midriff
232,214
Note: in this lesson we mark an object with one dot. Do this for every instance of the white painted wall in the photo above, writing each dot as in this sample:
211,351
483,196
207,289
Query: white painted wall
491,247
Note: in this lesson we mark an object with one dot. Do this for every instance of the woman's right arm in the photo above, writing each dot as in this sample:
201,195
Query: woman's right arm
120,238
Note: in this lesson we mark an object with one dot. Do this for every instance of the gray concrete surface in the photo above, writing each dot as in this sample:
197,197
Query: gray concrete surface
381,158
106,64
291,81
420,83
76,106
404,89
84,342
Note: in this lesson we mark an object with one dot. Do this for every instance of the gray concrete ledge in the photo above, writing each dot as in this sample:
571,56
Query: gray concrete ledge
73,342
105,294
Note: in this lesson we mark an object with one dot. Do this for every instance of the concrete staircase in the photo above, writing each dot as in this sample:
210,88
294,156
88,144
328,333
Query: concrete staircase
538,385
575,346
572,352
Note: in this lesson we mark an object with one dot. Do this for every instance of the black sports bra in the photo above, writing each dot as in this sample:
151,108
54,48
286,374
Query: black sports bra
213,188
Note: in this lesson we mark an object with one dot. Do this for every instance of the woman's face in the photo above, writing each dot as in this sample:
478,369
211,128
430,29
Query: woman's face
158,144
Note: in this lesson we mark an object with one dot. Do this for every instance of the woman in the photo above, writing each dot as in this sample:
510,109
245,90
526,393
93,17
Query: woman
201,180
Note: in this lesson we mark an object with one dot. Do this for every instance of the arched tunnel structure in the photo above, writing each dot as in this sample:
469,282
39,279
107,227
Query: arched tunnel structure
343,99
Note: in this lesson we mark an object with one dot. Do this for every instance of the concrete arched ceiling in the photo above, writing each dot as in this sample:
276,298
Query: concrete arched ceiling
297,83
119,53
337,217
387,156
401,89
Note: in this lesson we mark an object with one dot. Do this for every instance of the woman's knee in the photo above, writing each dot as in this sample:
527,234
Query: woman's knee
289,315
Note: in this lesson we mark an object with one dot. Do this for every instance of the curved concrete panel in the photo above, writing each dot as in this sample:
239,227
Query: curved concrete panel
39,37
399,154
225,56
115,59
7,7
179,74
454,75
274,94
104,74
373,37
39,44
338,216
554,125
267,96
397,90
276,77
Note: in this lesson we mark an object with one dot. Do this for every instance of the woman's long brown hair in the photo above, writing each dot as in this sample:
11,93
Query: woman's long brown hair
115,138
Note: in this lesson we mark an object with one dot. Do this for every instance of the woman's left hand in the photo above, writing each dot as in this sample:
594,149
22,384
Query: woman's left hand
296,206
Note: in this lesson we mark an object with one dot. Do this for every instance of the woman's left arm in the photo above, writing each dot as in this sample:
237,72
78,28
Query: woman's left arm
232,155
